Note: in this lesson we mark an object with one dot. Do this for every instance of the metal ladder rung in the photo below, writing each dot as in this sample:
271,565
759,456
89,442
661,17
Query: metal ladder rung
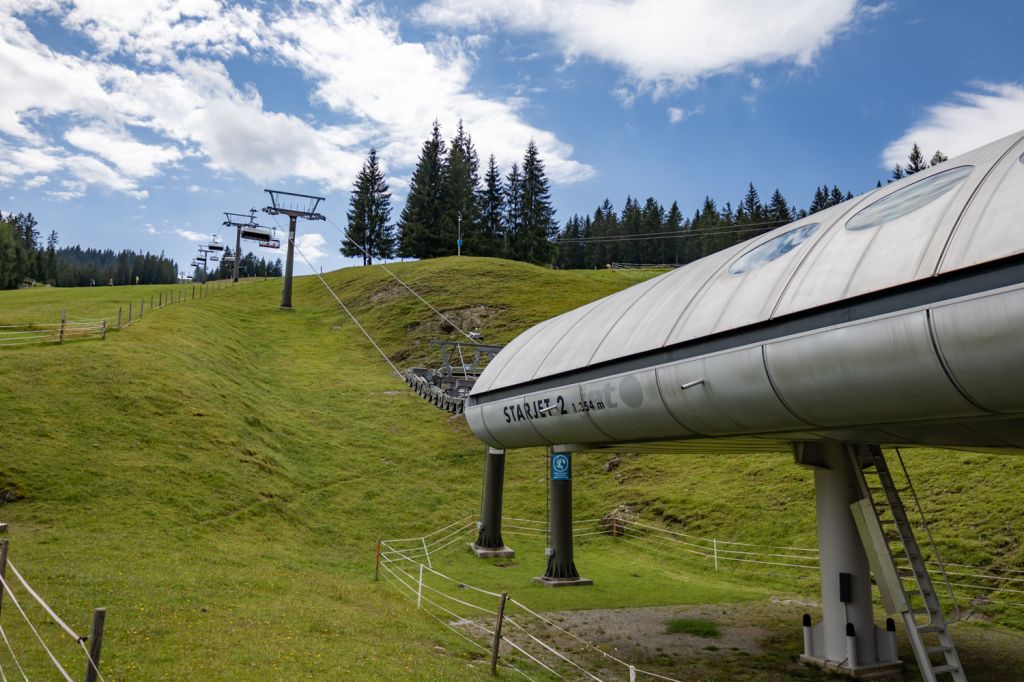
940,669
931,628
941,649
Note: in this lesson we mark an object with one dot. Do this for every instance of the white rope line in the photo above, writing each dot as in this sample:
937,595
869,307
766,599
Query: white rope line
344,235
721,542
463,520
11,649
530,656
3,677
46,607
347,311
554,651
32,627
448,596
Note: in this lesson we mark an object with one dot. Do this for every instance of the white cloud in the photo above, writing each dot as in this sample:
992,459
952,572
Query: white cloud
152,91
151,230
194,188
677,115
36,181
135,159
193,236
664,45
972,119
311,245
363,68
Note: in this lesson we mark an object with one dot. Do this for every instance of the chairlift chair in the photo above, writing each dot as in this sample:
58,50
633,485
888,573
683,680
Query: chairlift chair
214,259
271,244
257,233
215,246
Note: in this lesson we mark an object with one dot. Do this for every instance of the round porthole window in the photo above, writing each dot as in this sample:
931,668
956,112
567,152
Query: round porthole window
909,199
773,248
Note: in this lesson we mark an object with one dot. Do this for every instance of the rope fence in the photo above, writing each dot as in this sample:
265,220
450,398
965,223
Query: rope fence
13,335
90,645
530,639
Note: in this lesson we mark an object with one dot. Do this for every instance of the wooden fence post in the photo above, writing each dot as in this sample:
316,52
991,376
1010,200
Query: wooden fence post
193,292
161,299
3,565
129,313
92,666
119,317
63,321
142,304
104,330
151,301
497,634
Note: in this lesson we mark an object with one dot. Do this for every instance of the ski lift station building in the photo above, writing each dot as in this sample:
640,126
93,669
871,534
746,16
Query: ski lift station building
894,318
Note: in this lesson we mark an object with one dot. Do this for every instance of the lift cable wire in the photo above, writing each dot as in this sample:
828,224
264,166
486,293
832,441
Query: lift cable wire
700,232
447,319
347,311
14,600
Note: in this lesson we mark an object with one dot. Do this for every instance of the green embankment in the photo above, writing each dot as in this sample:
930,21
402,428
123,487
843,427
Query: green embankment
217,476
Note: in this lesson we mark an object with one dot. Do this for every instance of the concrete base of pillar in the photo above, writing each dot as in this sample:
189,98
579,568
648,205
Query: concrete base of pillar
563,582
492,553
874,671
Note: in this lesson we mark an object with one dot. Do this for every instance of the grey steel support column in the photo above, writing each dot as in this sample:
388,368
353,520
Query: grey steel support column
489,542
845,571
561,570
286,293
238,255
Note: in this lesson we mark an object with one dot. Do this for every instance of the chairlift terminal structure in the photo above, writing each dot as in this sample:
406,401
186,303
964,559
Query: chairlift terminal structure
894,318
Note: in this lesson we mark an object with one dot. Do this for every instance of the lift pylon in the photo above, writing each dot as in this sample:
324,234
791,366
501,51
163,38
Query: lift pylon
294,206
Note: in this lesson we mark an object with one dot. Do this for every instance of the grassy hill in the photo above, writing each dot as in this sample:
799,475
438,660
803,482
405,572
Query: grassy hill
217,476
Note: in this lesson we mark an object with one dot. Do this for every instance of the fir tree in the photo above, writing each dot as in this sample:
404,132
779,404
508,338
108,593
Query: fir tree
539,225
459,192
492,207
916,161
751,205
673,223
51,258
778,211
369,233
513,218
937,158
897,172
420,222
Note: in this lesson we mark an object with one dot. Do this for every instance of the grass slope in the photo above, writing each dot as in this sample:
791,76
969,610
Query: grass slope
217,476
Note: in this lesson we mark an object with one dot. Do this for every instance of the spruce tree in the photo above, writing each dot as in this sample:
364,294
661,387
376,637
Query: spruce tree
513,218
937,158
751,205
673,223
539,225
369,233
459,193
778,211
492,207
897,172
916,161
420,222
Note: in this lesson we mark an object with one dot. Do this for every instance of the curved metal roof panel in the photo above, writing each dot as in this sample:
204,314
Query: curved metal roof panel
944,218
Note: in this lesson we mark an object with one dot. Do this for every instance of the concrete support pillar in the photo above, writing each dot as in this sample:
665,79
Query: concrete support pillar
489,542
846,638
561,569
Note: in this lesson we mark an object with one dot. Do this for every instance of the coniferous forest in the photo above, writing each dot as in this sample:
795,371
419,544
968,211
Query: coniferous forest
510,215
25,259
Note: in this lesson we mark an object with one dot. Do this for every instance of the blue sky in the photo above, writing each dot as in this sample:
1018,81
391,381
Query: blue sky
131,124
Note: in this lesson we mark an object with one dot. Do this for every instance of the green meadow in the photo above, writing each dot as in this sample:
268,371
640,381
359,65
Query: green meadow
217,476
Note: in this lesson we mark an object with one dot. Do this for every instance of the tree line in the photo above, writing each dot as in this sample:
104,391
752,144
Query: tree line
450,208
647,233
24,258
248,266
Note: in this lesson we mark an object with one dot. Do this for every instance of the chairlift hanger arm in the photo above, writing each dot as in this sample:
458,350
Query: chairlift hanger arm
309,212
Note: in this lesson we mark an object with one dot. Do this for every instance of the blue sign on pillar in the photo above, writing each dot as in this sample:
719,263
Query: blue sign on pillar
561,467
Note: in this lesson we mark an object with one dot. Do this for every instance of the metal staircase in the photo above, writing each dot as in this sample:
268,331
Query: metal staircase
919,605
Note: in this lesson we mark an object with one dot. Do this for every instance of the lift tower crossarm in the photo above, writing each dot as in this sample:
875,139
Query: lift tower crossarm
235,220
